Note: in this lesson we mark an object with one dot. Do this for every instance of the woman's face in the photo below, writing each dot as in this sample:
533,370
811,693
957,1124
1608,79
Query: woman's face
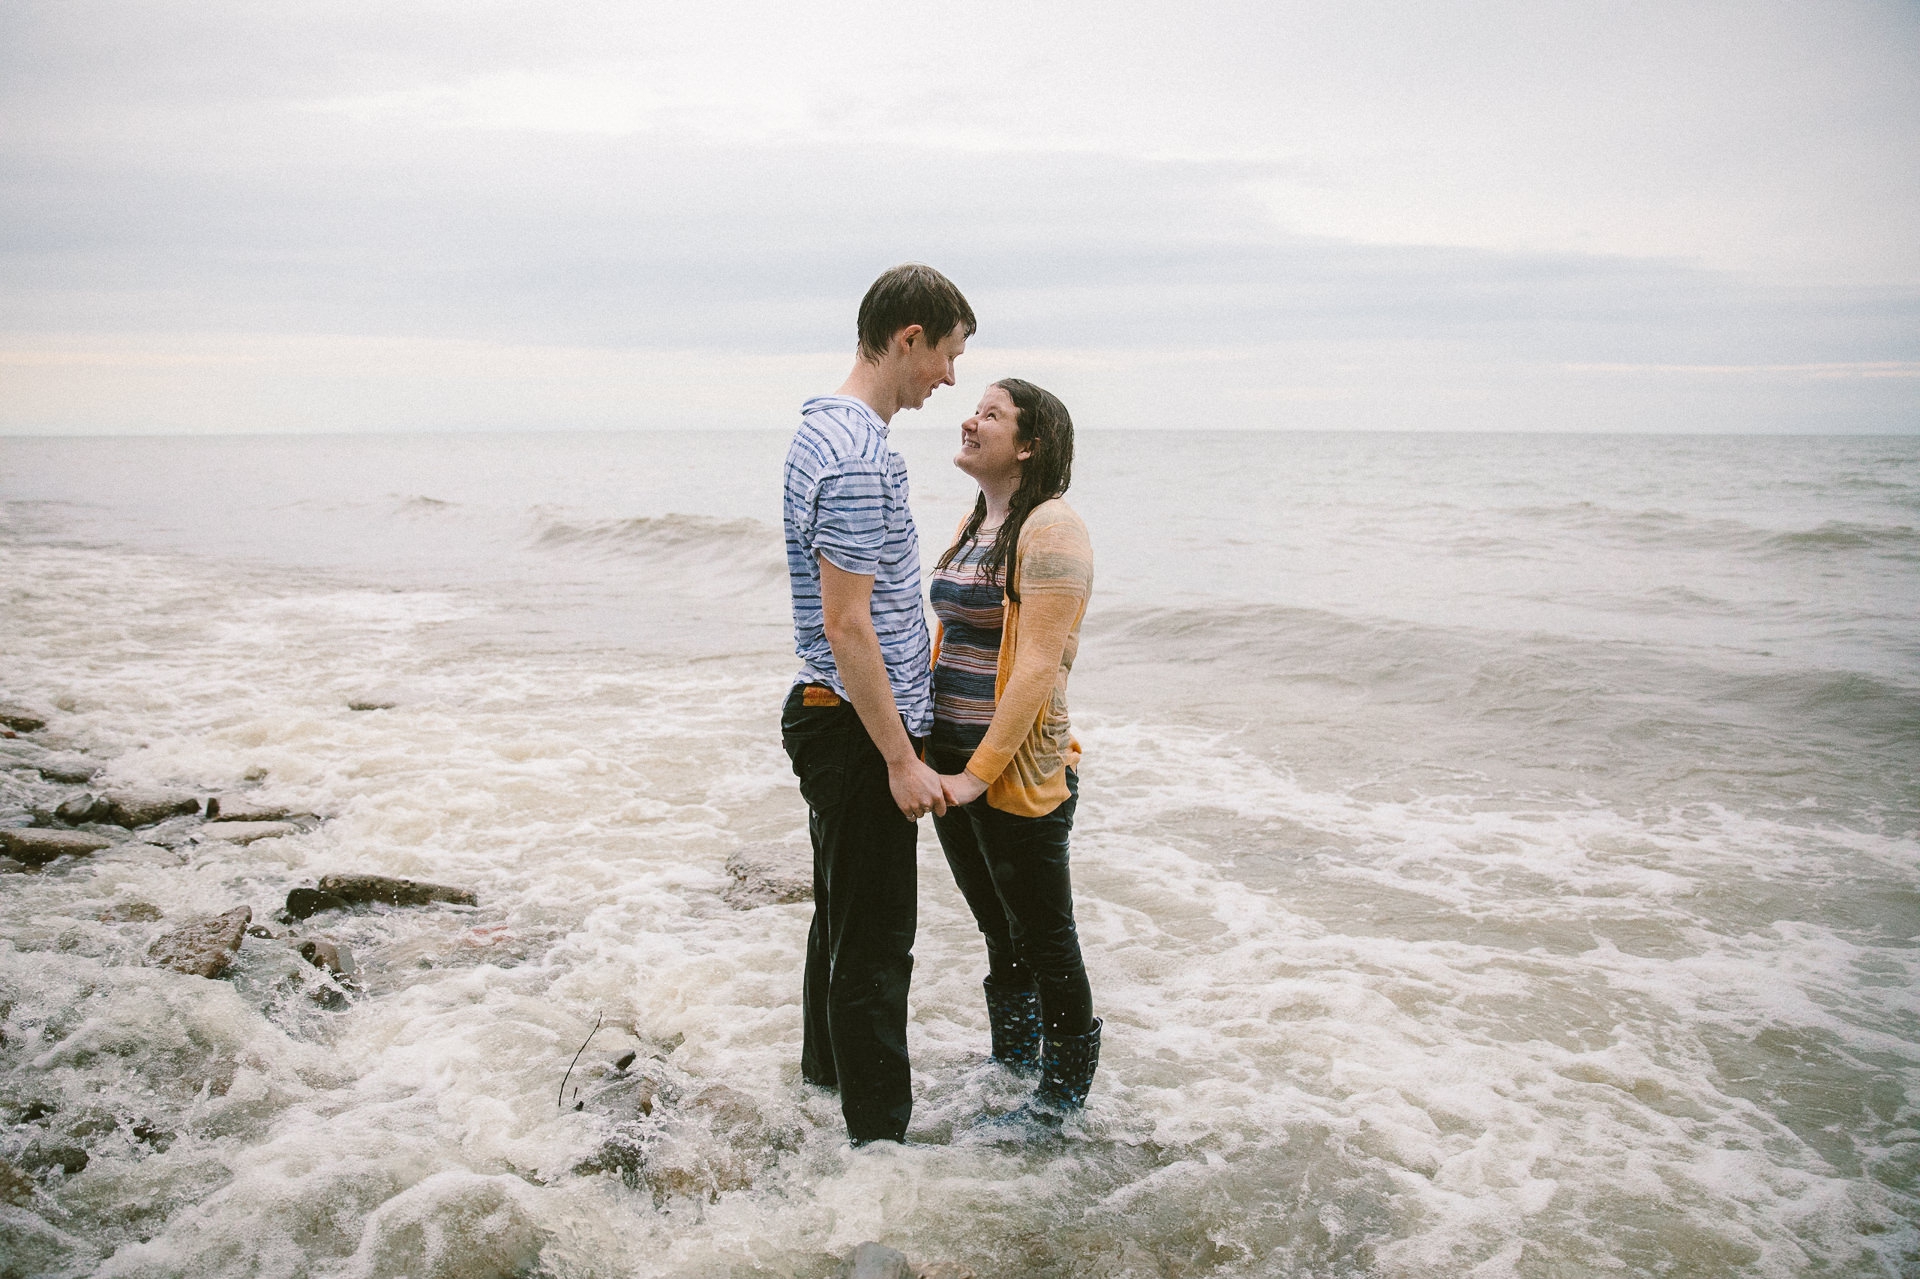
990,446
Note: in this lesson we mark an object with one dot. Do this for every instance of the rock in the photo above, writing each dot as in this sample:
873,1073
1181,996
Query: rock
16,1187
244,832
204,947
68,1159
322,953
239,808
942,1270
875,1261
260,930
305,902
369,704
358,889
626,1059
42,846
130,913
78,809
69,770
769,875
144,808
21,719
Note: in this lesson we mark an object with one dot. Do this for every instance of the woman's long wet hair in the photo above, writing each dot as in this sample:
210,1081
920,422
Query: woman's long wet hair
1041,425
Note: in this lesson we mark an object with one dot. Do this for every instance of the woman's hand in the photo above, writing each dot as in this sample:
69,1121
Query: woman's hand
962,788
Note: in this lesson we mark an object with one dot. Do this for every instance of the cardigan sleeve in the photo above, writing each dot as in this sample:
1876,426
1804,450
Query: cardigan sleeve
1055,578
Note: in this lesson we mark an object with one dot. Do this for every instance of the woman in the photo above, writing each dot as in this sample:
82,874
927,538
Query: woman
1010,593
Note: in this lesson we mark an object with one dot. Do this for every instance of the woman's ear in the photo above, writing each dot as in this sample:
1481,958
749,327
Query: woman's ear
1023,455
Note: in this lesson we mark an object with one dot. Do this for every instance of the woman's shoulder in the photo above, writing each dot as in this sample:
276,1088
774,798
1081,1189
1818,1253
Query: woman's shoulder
1054,513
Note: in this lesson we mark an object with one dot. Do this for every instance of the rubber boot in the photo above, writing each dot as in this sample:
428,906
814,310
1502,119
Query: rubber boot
1067,1074
1013,1016
1069,1067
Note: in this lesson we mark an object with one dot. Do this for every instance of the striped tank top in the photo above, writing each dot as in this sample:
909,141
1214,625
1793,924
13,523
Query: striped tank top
972,614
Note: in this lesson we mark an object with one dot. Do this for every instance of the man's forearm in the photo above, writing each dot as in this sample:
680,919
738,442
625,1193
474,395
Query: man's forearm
856,652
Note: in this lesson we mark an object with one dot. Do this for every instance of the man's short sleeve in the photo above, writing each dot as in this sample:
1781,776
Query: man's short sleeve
850,517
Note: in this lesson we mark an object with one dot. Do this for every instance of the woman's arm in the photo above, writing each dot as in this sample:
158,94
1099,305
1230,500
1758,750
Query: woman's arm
1046,622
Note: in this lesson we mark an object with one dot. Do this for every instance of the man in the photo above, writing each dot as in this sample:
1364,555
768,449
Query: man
863,700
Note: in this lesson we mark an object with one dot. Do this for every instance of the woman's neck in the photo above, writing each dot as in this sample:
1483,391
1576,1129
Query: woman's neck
999,494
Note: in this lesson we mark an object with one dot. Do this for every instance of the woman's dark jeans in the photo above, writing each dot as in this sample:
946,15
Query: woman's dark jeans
1013,872
860,949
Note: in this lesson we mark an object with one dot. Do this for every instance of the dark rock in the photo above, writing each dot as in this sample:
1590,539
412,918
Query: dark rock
38,847
239,808
768,875
260,930
875,1261
368,704
76,809
244,832
331,997
626,1059
358,889
323,953
130,913
305,902
68,1159
69,770
144,808
21,719
16,1187
34,1111
204,947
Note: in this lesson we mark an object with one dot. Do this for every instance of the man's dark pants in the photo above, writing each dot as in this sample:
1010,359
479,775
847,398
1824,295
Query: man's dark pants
860,950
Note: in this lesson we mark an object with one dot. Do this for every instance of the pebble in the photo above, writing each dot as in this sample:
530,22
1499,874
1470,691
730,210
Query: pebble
41,846
204,947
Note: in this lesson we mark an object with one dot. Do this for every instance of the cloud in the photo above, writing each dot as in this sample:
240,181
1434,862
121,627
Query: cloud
1534,191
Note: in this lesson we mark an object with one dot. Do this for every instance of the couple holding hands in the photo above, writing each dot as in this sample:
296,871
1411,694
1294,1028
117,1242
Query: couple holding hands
886,724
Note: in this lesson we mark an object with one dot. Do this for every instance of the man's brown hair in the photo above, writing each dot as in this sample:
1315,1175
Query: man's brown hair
911,294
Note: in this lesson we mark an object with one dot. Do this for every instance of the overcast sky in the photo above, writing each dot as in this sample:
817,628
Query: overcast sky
231,215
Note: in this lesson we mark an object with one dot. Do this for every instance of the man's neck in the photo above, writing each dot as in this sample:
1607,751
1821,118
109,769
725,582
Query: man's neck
873,388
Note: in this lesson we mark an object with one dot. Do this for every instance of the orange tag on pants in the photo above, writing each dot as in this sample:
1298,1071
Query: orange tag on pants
818,695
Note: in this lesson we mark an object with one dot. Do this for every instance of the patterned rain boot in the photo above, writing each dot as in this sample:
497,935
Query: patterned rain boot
1067,1076
1013,1015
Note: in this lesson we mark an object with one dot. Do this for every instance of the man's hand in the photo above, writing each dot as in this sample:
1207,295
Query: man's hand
916,788
961,788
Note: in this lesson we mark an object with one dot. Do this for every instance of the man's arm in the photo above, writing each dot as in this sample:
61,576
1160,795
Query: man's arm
846,603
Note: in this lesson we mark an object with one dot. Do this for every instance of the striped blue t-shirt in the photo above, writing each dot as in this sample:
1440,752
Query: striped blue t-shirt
846,499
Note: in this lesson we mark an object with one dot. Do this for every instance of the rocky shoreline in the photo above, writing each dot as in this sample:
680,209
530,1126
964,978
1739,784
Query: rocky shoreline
653,1126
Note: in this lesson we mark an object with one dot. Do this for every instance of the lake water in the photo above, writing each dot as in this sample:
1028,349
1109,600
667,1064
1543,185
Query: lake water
1497,855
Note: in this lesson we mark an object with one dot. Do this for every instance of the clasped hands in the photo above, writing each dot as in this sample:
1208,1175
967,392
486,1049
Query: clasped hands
918,790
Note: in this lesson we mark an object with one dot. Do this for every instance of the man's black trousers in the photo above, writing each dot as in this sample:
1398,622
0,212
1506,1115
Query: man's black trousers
860,950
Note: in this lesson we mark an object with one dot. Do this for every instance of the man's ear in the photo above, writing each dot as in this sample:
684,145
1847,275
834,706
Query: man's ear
909,334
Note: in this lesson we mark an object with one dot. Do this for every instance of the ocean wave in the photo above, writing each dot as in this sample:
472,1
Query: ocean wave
1899,540
744,552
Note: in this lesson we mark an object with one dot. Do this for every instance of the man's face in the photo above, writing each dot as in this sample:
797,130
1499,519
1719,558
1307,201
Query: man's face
929,364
